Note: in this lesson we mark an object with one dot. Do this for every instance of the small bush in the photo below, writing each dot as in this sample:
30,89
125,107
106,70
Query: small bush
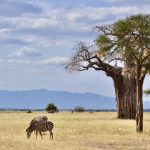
29,111
79,109
51,108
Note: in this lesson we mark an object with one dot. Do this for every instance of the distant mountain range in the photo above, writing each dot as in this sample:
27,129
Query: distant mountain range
38,99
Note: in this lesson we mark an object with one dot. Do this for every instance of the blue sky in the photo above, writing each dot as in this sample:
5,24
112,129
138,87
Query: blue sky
38,36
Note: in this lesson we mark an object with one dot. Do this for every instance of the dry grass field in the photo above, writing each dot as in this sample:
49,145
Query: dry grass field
77,131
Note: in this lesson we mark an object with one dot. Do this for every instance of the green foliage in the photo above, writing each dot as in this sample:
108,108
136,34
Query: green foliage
147,92
133,35
103,39
51,108
127,40
104,43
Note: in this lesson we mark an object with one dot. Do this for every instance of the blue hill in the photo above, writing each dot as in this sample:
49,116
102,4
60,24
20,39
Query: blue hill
38,99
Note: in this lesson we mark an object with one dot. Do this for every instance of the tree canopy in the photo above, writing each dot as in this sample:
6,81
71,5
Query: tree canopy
51,108
147,92
126,41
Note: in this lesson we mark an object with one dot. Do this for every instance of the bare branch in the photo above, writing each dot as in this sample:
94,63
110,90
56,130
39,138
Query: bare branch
85,58
106,29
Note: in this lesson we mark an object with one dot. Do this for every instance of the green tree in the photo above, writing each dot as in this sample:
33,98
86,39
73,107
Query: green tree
136,37
147,92
126,42
103,56
51,108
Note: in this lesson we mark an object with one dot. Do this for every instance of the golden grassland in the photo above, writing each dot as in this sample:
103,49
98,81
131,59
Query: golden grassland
77,131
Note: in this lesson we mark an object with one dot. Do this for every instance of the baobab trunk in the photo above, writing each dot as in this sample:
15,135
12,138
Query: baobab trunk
125,90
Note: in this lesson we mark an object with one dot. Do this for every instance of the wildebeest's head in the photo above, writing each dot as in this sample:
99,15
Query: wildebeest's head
28,131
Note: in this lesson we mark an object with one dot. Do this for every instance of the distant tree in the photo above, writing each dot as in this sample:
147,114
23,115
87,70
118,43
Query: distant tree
147,92
79,109
29,111
51,108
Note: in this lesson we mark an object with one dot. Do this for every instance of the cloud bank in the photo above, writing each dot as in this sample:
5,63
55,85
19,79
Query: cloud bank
38,36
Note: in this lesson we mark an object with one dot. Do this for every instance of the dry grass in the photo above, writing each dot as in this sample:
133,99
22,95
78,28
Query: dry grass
77,131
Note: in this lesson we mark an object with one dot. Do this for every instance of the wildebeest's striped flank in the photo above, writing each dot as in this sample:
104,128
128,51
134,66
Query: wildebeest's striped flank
40,127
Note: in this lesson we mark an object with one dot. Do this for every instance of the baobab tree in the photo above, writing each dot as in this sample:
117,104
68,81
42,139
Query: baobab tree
136,36
87,57
110,53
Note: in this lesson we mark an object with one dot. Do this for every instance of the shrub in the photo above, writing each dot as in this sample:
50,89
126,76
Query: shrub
51,108
29,111
147,92
79,109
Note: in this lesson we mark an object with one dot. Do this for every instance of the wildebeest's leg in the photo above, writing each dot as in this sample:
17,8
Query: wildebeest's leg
41,135
51,134
36,134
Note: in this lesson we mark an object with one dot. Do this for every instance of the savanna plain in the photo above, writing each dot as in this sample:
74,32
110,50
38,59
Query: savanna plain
77,131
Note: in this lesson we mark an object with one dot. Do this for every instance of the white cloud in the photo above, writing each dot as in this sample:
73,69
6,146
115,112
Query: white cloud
72,16
13,63
44,41
18,62
35,22
69,18
100,13
41,63
54,60
73,23
50,25
116,1
4,30
25,51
